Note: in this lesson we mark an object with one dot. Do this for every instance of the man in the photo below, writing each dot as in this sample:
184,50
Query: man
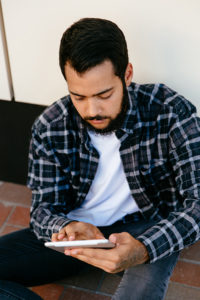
115,160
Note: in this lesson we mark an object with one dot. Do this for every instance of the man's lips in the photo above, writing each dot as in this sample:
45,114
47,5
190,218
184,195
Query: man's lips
96,121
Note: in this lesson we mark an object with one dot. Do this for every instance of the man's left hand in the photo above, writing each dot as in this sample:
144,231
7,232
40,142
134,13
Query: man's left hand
128,252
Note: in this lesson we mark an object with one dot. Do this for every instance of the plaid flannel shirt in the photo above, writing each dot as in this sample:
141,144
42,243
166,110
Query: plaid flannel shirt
160,152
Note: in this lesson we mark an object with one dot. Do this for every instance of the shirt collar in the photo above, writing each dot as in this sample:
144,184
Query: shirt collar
131,114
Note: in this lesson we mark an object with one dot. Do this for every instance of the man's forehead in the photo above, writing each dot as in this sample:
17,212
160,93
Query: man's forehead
95,81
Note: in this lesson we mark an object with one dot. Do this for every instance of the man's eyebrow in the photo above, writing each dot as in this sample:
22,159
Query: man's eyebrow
98,94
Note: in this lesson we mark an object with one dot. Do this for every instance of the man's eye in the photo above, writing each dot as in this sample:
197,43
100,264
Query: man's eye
105,96
79,98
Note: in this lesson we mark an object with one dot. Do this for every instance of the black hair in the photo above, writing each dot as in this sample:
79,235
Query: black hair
89,42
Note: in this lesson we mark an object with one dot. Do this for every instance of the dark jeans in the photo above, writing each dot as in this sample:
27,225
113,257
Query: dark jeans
25,261
14,291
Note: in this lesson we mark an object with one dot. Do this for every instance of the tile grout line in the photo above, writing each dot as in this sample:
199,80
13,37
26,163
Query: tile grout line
16,226
100,282
194,262
10,214
9,203
86,290
5,222
185,285
61,297
2,228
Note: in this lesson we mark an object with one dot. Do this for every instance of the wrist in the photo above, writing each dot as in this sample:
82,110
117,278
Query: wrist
143,253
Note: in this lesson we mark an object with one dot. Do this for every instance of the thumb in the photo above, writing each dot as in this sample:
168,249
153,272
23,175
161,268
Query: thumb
116,238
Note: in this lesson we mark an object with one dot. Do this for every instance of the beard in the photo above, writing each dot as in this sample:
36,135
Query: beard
115,123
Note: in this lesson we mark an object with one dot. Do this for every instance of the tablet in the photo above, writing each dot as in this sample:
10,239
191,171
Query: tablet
61,246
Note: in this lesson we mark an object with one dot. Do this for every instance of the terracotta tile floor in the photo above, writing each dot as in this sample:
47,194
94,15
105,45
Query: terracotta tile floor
97,285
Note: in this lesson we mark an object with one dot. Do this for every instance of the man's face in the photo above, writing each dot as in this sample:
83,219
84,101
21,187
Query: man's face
97,94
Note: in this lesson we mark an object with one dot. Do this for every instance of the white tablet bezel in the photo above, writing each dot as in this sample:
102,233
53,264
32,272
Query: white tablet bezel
61,246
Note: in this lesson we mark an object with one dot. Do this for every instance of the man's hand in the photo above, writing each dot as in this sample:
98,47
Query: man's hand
77,231
127,253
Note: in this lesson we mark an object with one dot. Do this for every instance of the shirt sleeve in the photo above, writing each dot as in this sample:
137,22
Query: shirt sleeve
50,188
182,227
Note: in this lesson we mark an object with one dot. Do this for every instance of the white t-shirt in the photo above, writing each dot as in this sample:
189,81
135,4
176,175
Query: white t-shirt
109,198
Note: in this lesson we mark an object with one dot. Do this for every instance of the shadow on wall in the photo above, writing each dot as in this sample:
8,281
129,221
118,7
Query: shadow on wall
16,120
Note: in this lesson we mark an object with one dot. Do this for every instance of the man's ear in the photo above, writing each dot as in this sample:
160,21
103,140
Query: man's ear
128,74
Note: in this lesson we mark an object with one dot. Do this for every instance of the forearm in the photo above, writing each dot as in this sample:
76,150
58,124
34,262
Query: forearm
47,217
47,225
179,230
49,185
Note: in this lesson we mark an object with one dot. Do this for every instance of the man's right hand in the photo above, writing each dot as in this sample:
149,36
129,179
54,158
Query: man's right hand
77,231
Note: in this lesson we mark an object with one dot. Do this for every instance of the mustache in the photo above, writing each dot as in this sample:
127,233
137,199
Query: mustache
97,117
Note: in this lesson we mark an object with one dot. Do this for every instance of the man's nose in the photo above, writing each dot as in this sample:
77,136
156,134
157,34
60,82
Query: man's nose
93,108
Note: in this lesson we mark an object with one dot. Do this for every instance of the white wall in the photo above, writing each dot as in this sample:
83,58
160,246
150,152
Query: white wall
163,38
4,84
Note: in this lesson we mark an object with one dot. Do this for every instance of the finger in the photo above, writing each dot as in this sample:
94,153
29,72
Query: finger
71,230
54,237
99,235
71,235
88,231
66,234
94,261
90,253
61,234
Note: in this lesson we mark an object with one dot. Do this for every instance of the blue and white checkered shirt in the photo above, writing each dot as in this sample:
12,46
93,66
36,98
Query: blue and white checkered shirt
160,152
